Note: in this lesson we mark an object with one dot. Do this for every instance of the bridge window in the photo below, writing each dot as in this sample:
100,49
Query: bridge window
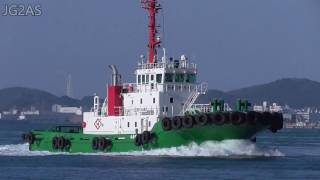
139,79
159,78
147,79
151,77
143,79
191,78
179,78
140,100
154,100
135,124
128,124
168,77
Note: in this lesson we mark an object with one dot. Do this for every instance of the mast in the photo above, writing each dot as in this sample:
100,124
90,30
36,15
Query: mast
154,42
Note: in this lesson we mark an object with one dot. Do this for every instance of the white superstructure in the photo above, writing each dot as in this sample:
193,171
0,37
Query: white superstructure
166,88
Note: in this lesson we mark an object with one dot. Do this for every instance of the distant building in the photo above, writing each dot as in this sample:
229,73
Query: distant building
66,110
274,107
32,111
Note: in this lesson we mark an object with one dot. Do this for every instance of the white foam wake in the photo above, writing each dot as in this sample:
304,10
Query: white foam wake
227,148
20,150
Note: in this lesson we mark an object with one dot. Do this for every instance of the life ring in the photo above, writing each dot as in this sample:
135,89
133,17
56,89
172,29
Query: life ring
218,118
55,144
145,137
176,122
188,121
237,118
166,124
137,140
202,120
95,143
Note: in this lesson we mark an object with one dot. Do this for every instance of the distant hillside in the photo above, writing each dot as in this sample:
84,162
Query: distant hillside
294,92
24,98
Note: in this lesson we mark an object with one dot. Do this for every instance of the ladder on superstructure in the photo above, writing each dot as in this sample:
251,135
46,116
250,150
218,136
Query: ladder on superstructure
199,90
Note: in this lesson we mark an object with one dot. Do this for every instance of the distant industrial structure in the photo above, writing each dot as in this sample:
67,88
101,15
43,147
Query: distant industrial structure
293,118
56,108
69,90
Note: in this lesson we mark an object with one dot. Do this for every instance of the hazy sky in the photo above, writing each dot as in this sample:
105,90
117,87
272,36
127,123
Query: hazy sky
235,43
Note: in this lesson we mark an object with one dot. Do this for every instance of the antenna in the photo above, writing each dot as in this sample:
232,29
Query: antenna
154,41
69,86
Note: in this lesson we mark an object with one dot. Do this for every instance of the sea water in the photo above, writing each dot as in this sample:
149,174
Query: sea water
289,154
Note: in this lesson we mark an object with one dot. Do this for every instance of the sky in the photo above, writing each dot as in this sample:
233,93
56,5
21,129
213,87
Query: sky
234,43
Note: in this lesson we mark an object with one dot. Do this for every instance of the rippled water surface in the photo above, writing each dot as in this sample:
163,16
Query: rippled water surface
289,154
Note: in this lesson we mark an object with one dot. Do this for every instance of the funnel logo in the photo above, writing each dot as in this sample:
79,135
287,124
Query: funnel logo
98,124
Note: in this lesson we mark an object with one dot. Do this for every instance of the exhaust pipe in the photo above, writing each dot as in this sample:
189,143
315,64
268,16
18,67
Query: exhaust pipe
116,77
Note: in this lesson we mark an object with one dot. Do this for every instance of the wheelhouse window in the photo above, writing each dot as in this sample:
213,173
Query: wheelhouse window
191,78
179,78
147,79
139,79
143,79
151,77
168,77
159,78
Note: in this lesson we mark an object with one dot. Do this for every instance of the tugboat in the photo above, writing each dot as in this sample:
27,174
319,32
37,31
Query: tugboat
157,111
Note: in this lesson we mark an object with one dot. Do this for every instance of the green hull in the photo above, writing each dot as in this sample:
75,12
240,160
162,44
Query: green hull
79,142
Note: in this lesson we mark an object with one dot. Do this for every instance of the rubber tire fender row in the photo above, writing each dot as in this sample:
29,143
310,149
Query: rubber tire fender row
237,118
103,143
176,122
55,144
145,137
95,143
29,137
188,121
61,143
276,122
138,140
202,120
266,118
166,124
218,118
253,117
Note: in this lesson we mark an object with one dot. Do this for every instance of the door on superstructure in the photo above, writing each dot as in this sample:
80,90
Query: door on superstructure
144,124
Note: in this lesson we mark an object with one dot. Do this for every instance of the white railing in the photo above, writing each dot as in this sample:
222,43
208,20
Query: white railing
140,111
167,87
169,65
204,108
